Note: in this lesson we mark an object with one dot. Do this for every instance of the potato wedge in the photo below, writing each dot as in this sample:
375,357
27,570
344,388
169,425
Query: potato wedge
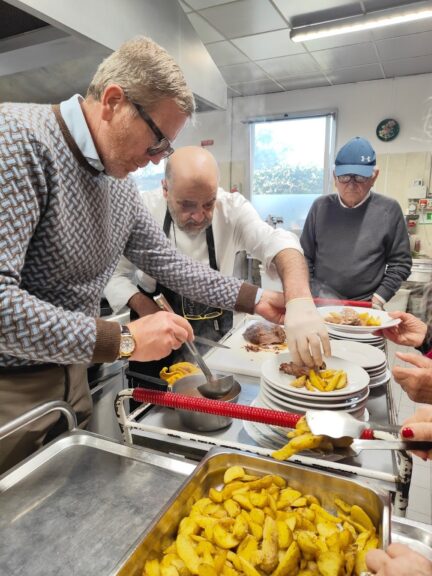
233,473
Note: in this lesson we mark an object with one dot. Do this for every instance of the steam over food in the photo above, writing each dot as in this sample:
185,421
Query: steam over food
263,334
350,317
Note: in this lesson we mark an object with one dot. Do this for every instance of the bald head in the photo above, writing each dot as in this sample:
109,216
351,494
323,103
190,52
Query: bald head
190,188
192,165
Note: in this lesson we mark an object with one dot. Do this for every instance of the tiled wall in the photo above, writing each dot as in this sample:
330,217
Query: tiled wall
397,174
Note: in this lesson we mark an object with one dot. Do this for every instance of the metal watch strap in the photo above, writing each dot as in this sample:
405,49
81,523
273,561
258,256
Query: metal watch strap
125,332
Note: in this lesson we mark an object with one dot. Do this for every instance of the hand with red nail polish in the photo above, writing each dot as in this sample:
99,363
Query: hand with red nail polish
419,427
407,433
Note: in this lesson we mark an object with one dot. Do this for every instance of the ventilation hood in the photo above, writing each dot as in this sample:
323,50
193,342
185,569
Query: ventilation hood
50,49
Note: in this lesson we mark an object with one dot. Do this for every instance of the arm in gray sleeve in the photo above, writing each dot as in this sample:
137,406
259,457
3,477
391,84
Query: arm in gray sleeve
122,285
398,257
31,328
149,249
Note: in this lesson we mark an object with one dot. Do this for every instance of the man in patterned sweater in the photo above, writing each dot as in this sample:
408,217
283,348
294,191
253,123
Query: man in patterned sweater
67,213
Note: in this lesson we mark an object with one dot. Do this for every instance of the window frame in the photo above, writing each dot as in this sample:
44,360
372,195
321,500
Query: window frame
330,141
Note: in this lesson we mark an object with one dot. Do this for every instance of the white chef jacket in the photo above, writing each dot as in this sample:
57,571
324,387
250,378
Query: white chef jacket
236,226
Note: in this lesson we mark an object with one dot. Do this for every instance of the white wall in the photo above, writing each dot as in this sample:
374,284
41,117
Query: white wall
359,107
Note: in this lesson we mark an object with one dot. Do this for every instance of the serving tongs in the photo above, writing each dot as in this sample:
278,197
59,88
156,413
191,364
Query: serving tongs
214,387
275,418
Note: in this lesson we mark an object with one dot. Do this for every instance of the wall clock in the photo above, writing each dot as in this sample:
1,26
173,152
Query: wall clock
387,129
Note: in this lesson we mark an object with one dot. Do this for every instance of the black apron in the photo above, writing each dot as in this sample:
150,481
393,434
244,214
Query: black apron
214,328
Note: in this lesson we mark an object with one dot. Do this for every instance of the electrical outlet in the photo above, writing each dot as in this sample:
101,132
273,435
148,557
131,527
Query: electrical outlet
418,182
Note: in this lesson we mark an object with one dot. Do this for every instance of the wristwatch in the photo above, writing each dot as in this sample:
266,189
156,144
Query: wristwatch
127,343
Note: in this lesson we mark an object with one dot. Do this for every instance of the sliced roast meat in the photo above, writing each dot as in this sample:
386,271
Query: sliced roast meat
264,334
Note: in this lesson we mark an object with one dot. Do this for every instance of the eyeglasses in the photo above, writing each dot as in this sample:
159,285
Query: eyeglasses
163,145
345,178
210,315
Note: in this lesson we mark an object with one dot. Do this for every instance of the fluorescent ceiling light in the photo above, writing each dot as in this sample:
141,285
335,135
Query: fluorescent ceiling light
378,19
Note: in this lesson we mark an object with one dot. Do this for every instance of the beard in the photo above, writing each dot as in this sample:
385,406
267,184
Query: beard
192,228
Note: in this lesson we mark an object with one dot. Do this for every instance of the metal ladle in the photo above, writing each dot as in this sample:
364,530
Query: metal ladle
214,387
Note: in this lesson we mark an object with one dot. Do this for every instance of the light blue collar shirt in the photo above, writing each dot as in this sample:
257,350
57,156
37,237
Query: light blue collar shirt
75,121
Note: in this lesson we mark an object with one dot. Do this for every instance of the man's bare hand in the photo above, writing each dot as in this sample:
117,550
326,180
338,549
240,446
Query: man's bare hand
158,334
398,560
142,305
415,380
271,306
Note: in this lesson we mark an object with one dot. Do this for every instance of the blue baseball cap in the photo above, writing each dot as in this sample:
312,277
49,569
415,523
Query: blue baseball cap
356,157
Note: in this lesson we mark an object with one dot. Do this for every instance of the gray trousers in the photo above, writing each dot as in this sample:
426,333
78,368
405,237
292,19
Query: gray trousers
22,391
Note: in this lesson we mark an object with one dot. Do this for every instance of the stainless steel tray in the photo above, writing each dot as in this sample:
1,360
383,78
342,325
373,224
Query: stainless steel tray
78,505
209,473
416,535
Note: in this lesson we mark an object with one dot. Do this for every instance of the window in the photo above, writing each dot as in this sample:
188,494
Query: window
290,166
149,178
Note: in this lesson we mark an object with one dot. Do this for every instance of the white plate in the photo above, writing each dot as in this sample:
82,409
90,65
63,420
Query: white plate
357,377
293,406
375,383
285,405
323,402
364,355
263,435
297,395
386,320
358,337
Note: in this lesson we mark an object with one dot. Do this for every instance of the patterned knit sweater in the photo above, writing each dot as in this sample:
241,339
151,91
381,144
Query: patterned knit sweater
63,228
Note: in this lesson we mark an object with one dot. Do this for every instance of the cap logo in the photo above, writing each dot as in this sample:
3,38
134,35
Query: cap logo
365,158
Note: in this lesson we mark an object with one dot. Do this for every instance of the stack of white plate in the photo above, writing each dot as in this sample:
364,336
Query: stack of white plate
277,393
376,341
373,360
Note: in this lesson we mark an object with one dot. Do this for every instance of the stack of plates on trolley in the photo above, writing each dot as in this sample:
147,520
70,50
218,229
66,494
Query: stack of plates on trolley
372,359
371,339
276,392
274,437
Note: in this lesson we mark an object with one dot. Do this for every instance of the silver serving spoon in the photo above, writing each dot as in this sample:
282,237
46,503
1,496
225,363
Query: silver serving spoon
340,424
214,387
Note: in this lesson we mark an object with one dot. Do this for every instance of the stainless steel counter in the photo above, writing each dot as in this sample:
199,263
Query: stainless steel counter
81,504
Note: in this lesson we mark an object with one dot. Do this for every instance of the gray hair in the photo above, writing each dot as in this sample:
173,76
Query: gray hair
147,74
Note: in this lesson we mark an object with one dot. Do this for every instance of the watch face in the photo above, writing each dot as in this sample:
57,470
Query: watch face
127,345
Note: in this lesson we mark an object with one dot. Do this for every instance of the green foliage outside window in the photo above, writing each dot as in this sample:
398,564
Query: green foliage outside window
285,179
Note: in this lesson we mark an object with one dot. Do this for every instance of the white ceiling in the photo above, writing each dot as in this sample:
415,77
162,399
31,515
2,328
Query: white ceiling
249,41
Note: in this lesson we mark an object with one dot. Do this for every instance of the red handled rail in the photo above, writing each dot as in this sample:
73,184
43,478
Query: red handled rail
223,408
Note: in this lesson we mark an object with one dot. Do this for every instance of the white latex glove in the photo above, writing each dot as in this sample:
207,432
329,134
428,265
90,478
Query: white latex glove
306,333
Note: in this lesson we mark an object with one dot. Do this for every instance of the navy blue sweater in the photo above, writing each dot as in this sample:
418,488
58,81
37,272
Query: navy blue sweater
354,252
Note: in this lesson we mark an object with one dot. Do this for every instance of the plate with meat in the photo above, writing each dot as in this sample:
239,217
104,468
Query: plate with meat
356,320
260,336
280,372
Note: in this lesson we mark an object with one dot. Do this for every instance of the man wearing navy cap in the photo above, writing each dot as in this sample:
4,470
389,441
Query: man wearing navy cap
356,241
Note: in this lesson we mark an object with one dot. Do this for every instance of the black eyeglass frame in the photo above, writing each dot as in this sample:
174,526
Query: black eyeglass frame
163,146
356,177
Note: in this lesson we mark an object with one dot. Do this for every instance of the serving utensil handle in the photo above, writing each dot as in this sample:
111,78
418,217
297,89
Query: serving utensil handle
163,304
218,407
